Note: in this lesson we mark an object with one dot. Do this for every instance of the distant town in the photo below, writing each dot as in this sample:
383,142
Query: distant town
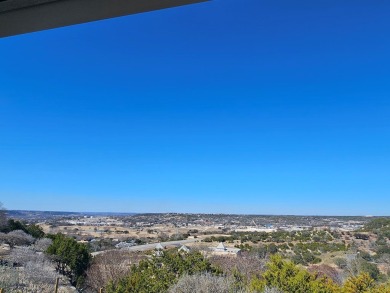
105,231
155,226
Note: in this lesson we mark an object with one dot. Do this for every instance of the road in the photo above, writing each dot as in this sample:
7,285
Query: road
151,246
168,243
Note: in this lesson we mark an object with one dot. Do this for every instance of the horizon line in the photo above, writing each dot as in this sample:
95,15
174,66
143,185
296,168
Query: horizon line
199,213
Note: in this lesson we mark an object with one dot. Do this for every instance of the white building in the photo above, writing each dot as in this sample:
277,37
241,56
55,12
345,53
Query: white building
184,248
221,249
158,250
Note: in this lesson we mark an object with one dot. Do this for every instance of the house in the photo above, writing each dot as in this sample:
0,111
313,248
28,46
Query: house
184,249
221,249
159,247
158,250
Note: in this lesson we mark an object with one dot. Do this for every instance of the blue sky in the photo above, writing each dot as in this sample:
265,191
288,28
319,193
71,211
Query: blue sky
232,106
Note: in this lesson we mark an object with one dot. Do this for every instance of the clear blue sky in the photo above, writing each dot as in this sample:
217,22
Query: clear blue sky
233,106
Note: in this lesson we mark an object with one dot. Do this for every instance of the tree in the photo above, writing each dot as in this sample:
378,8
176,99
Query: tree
357,265
35,231
28,271
247,265
157,274
17,237
13,225
20,256
42,244
109,266
326,271
371,269
359,284
72,258
287,277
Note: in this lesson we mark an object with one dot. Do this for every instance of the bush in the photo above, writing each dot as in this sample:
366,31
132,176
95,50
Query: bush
341,263
324,270
35,231
202,283
42,244
365,255
272,290
371,269
109,266
359,284
28,271
287,277
16,238
158,274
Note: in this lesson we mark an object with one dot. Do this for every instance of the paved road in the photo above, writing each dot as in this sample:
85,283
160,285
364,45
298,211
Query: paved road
151,246
168,243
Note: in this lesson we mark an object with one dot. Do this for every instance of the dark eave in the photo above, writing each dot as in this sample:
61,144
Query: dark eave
24,16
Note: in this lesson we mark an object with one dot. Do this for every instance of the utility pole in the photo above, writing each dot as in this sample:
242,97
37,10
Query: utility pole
56,288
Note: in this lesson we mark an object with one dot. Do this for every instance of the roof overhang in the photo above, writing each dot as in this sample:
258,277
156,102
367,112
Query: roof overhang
24,16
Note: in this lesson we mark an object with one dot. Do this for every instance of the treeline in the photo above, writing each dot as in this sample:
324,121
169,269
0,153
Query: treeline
277,236
302,247
380,227
31,229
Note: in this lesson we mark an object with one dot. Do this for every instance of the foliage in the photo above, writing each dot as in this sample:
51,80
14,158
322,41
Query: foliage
382,249
72,258
317,247
159,273
16,237
271,290
379,226
356,265
28,271
286,276
173,273
110,266
341,263
42,244
244,268
376,224
277,237
327,271
365,255
101,245
201,283
305,258
370,268
14,225
35,231
309,244
359,284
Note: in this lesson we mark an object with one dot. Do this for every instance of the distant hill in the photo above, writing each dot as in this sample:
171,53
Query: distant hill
35,215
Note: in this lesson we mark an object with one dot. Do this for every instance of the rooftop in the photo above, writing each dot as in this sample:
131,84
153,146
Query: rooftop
24,16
